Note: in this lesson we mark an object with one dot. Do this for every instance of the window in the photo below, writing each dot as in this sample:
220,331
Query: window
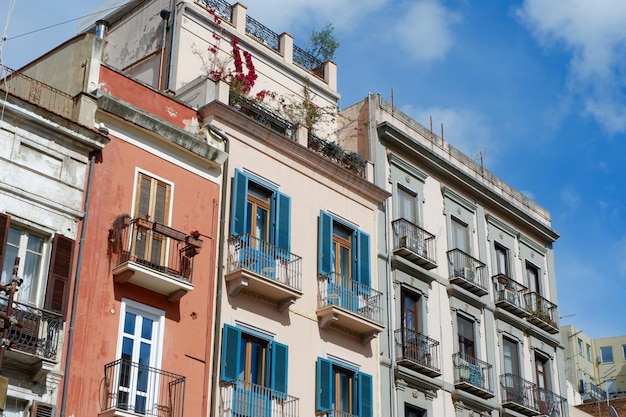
502,262
139,349
460,235
606,354
30,248
589,355
542,378
410,411
532,278
624,352
511,357
343,389
465,336
407,205
581,350
252,358
513,384
344,256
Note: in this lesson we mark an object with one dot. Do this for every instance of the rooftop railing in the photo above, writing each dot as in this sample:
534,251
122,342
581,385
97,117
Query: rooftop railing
336,290
263,115
140,389
36,92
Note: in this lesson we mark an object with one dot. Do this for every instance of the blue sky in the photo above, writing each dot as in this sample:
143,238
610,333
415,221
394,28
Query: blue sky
538,87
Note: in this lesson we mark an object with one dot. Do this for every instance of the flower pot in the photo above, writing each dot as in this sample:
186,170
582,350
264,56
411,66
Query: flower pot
143,223
193,241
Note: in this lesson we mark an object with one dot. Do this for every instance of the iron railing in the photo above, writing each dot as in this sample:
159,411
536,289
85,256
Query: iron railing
473,371
308,61
240,398
542,309
467,267
36,92
270,261
154,246
40,330
262,33
141,389
221,7
340,291
551,404
518,391
334,152
410,236
263,115
508,290
594,391
417,348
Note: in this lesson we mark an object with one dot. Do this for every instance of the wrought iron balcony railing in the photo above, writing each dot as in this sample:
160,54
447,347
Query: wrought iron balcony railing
221,7
40,331
352,161
143,390
262,33
339,291
155,246
509,294
467,271
473,371
270,261
543,313
551,404
590,390
36,92
262,115
419,349
418,241
240,398
308,61
518,392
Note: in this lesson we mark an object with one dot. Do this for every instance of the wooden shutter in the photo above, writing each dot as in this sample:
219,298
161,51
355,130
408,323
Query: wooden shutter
143,197
280,357
324,385
41,410
59,274
283,221
231,345
365,395
325,258
5,222
363,257
239,203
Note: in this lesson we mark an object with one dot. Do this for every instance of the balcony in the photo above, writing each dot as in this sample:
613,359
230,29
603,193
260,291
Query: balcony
36,92
551,404
414,243
153,256
417,351
239,398
130,389
346,303
591,392
467,272
543,313
509,295
263,115
264,269
519,395
473,375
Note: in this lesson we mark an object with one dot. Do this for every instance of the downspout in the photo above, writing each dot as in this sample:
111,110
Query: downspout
170,54
220,273
390,315
81,247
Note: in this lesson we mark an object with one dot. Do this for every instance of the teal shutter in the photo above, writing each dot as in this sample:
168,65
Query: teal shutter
324,385
231,345
239,204
365,395
283,221
325,258
280,357
363,247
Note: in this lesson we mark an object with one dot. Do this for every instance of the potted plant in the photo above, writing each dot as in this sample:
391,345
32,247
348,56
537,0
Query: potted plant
193,239
354,161
144,222
333,150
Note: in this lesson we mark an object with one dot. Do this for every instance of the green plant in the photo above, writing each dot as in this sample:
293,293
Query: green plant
354,160
333,150
323,44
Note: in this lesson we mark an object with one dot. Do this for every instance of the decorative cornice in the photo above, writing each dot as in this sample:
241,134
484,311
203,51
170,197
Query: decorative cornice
501,225
458,198
406,167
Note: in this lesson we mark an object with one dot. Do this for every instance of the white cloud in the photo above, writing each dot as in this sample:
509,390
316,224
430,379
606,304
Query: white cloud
424,31
570,198
593,33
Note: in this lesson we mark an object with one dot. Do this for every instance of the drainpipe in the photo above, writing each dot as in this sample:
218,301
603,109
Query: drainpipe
170,54
391,309
83,230
220,273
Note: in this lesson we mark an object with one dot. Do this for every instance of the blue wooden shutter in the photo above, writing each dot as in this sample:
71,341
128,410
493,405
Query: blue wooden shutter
324,385
283,221
363,246
365,395
231,345
239,204
280,358
325,260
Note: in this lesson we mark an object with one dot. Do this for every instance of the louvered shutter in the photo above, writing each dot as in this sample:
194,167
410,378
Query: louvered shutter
363,245
280,358
365,395
283,215
160,203
5,222
41,410
324,385
231,345
325,258
143,201
239,203
59,274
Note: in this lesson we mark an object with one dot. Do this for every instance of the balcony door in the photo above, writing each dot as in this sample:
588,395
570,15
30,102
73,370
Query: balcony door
152,203
542,379
513,386
411,327
407,205
139,351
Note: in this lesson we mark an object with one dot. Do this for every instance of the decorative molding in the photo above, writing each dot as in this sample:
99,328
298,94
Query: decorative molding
494,221
406,167
458,198
523,239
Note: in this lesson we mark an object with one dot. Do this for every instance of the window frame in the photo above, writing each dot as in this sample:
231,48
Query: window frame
581,348
501,254
362,395
466,346
602,354
411,200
